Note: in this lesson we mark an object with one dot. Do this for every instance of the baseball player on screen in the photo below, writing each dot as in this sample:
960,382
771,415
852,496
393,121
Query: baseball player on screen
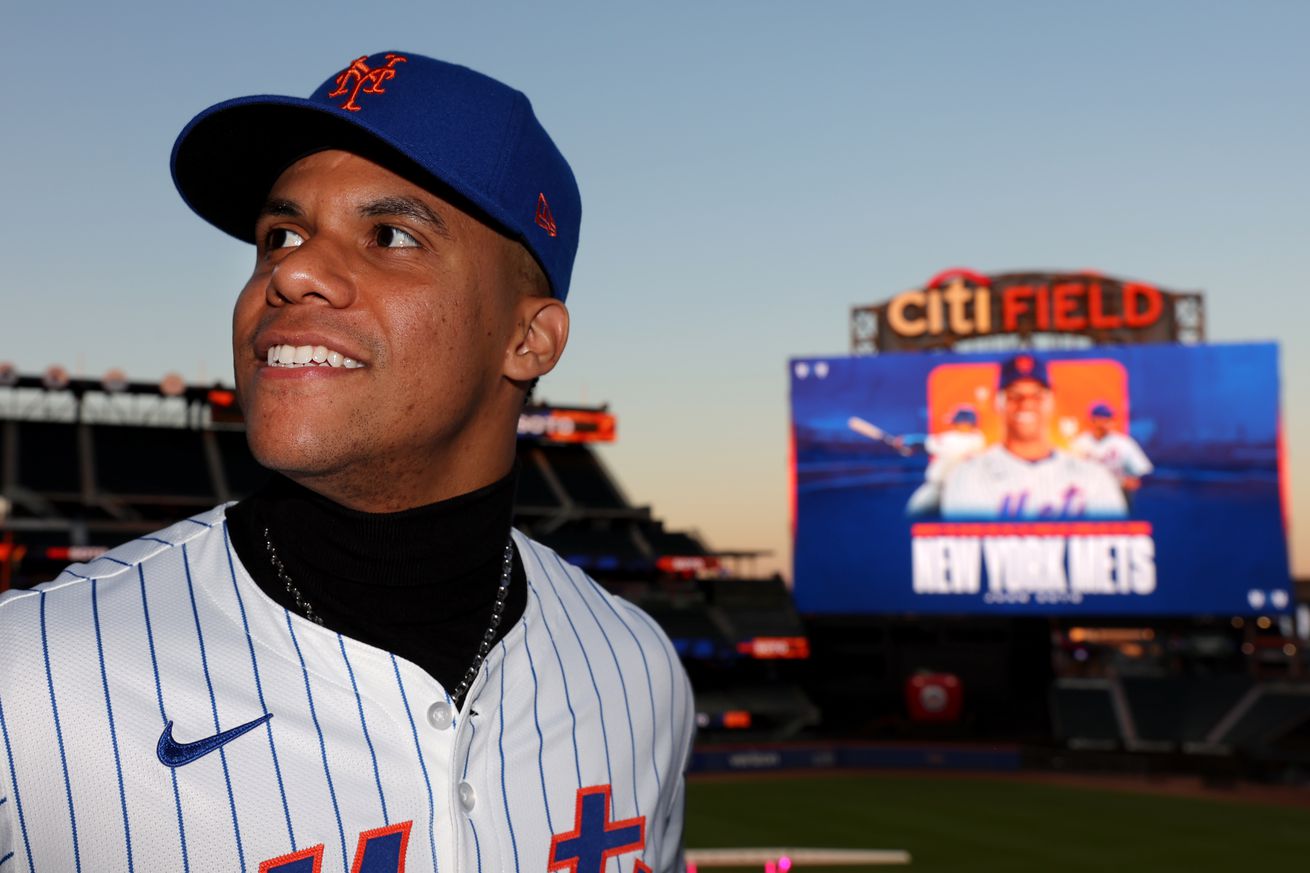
362,667
1113,449
946,450
1025,476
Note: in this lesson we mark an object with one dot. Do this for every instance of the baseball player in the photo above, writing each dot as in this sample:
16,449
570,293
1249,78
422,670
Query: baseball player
1025,476
946,450
362,667
1114,450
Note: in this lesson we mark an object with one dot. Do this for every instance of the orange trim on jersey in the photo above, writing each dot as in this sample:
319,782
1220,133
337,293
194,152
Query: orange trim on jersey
386,830
1033,529
571,864
313,853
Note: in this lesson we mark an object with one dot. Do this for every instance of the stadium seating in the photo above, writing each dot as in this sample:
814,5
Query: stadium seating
1083,714
48,459
80,485
1268,714
155,461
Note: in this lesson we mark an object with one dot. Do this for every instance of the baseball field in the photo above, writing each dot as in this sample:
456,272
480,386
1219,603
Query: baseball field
1006,825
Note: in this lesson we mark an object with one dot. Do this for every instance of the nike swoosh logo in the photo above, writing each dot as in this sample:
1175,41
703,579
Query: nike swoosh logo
174,754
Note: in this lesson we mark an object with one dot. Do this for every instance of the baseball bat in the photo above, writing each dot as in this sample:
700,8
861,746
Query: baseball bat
873,432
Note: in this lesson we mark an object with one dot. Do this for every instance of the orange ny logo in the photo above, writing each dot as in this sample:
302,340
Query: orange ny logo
359,77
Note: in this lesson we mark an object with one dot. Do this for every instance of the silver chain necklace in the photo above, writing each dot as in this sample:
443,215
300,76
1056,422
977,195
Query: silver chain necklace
305,608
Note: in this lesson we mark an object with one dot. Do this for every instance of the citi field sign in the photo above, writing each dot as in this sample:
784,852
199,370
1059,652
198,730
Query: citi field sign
960,303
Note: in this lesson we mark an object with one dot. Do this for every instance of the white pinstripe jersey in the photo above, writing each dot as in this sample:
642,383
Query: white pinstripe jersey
1117,452
568,754
997,484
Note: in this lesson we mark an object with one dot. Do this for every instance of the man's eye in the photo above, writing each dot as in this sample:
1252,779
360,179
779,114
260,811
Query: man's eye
394,238
282,238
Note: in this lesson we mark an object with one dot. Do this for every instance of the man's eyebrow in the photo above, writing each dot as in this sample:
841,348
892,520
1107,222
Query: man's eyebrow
410,207
280,206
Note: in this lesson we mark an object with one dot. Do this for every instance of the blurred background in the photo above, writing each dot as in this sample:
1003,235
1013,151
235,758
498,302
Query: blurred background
813,235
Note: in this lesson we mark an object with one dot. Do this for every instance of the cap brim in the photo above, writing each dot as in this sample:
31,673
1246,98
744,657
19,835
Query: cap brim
226,160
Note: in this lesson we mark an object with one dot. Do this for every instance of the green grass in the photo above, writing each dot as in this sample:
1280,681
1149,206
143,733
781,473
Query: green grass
983,825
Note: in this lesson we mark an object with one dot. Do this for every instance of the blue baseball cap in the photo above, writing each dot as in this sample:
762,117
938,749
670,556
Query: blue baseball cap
466,137
964,415
1024,366
1102,410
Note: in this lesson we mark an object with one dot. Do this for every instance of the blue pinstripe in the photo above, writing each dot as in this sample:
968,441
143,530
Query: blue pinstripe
418,750
541,742
59,735
157,540
564,676
7,856
504,792
259,687
113,731
650,690
205,525
213,706
604,735
623,686
477,846
359,702
18,798
163,719
115,561
322,746
673,674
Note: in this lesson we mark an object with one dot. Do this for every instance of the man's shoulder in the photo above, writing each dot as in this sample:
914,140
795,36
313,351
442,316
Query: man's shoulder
1079,466
1124,439
573,603
112,569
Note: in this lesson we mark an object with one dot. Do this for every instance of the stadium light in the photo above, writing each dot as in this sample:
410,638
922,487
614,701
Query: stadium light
114,381
172,385
55,378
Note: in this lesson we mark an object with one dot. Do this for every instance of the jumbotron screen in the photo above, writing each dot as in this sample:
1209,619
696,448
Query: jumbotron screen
1105,481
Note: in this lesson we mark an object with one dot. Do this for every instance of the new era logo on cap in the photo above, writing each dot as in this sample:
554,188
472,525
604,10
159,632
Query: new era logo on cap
545,220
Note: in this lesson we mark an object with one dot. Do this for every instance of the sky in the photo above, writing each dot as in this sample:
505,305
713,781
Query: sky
749,172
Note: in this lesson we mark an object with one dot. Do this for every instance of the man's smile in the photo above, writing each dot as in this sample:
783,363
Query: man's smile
286,355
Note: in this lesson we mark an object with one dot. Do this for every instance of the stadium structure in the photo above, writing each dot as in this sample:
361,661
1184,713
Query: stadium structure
88,463
1172,682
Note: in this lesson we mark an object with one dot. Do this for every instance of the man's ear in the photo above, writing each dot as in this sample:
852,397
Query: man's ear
542,331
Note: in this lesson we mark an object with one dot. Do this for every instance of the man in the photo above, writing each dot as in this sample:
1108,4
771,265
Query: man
1025,476
946,450
361,667
1114,450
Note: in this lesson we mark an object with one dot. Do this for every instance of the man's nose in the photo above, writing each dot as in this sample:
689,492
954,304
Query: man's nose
314,272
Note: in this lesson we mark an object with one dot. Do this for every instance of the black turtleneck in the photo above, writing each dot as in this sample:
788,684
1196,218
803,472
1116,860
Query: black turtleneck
419,583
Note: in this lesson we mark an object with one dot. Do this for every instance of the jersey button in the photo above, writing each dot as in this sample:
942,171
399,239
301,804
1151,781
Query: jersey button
468,798
440,715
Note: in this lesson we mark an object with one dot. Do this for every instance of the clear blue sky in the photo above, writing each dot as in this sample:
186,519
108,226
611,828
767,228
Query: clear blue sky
749,171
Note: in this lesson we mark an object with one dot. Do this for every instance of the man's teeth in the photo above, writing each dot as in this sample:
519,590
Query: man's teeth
309,356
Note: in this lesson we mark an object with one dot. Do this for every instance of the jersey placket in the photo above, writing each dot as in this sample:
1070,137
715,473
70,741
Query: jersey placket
467,791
